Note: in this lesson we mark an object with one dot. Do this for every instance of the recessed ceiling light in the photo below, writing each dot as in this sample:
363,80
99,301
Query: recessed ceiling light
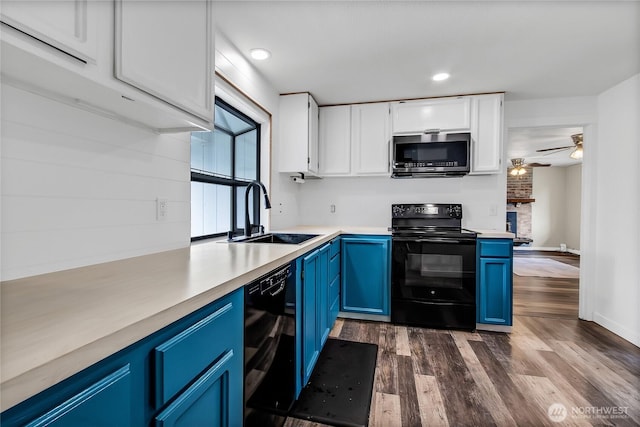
440,77
260,54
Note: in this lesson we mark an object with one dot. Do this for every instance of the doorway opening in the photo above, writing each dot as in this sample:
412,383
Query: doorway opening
543,210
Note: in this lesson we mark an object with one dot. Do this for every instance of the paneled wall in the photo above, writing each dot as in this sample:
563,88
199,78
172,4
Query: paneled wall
79,188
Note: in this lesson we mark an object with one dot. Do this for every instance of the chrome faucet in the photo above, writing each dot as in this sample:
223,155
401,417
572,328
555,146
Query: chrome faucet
267,204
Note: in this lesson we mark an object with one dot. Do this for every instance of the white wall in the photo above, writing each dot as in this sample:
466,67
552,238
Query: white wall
548,211
367,201
556,211
573,203
617,282
79,189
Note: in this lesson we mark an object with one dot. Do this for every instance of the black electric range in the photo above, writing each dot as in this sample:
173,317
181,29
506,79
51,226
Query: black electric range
433,269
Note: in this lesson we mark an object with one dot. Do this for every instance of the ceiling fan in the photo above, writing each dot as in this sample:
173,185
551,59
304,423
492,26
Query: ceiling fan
519,166
577,145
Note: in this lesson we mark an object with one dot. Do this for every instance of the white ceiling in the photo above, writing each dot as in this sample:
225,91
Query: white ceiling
523,142
358,51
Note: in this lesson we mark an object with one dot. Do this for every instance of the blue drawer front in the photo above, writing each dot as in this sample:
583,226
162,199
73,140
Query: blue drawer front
334,268
334,249
176,364
495,247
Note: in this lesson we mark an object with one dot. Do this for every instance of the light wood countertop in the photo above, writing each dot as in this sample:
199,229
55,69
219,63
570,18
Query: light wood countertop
494,234
56,324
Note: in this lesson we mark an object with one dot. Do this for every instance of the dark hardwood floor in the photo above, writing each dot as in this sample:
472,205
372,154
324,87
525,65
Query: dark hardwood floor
428,377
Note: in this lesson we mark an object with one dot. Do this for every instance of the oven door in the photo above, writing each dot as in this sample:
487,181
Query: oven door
434,269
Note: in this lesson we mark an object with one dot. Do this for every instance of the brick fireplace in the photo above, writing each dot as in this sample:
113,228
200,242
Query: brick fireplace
520,188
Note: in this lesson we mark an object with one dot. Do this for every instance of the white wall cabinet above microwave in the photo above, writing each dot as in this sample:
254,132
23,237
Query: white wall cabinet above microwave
70,54
354,140
443,114
298,145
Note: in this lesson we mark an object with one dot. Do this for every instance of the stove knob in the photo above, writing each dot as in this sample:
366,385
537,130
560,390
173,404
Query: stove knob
432,292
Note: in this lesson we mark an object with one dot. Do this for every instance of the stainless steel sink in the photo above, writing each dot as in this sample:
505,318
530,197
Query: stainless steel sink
282,238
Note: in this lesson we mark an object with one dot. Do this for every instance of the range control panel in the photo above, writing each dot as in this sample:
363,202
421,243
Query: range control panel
427,210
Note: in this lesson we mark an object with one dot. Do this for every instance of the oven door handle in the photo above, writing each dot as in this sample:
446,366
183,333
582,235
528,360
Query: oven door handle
432,240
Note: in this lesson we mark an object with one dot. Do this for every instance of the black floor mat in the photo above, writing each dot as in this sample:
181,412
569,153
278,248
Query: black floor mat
339,391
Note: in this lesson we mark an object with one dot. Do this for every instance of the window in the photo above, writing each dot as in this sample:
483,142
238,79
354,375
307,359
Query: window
223,162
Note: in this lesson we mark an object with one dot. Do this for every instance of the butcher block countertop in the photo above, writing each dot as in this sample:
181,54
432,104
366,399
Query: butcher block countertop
56,324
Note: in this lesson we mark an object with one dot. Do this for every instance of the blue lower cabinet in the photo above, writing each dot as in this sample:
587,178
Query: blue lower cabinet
106,403
318,303
208,402
366,274
495,282
189,373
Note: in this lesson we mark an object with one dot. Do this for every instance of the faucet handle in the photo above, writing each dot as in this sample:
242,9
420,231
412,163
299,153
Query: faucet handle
261,229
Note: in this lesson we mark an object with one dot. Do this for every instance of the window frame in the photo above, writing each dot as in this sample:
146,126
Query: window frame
233,181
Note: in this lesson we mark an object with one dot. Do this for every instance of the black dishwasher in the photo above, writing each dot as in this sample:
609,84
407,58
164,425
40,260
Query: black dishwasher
269,347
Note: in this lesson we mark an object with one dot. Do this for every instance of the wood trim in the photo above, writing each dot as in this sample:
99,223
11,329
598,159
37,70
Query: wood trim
243,93
520,200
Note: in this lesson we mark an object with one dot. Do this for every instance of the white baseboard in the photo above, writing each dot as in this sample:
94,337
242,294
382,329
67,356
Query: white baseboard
622,331
545,248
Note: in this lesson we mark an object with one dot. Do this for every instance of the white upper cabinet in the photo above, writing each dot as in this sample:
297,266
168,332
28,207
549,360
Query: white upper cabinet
149,64
370,139
445,114
354,140
298,151
166,50
334,144
69,26
486,134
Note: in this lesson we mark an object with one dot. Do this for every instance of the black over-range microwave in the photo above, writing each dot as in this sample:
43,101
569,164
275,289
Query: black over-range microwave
431,155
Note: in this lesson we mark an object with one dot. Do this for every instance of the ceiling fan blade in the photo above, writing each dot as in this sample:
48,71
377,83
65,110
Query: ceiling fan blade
556,148
539,165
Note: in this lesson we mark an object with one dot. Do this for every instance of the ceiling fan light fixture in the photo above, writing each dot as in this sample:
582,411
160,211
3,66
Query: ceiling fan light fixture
522,171
577,153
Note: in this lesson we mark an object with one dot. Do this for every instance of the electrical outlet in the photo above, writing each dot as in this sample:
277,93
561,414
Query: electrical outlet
162,207
332,208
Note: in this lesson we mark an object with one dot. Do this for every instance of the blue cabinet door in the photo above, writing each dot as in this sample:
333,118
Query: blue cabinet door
310,341
324,326
209,401
495,291
106,403
366,280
